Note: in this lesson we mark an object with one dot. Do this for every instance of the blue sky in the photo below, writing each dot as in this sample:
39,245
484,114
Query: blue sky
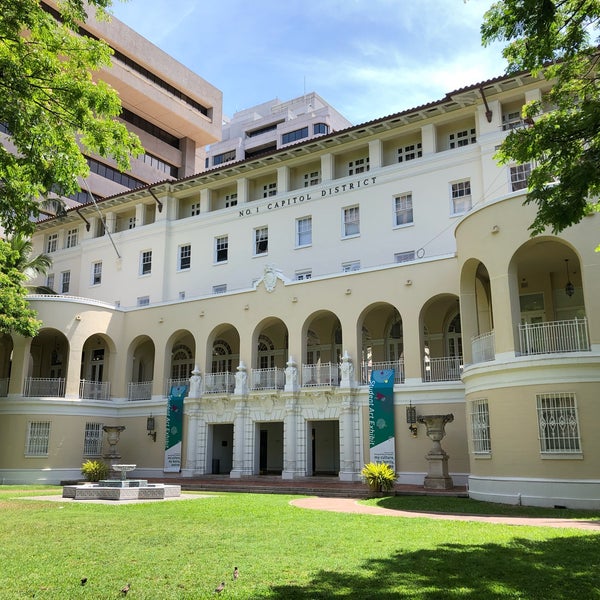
368,58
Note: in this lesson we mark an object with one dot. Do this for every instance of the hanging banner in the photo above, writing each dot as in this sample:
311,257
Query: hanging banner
174,435
381,417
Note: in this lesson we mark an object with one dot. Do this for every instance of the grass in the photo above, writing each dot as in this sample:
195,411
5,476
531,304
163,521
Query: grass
183,549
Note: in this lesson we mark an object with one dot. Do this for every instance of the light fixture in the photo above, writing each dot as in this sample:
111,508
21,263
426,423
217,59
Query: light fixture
151,427
411,419
569,288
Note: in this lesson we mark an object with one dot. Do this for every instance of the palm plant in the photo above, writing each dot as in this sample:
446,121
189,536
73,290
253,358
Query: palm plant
29,265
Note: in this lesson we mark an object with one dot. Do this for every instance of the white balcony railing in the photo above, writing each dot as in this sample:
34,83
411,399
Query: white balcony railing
321,374
94,390
176,383
4,387
44,387
139,390
444,368
367,368
267,379
219,383
554,336
483,347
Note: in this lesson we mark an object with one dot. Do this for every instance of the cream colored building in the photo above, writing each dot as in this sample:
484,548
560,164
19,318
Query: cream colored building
408,250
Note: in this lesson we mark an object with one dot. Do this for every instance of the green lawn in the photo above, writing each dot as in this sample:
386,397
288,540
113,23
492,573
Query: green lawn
183,549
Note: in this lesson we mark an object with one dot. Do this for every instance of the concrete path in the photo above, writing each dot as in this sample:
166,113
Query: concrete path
350,505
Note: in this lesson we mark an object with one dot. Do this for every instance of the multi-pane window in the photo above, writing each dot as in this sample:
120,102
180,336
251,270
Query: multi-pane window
38,436
220,289
184,257
303,275
221,248
131,223
230,200
353,265
458,139
360,165
460,192
320,128
219,159
351,224
195,209
52,242
480,426
65,282
146,262
403,209
293,136
50,281
511,120
92,439
261,240
270,189
312,178
558,423
143,300
72,238
304,231
97,273
405,256
410,152
519,176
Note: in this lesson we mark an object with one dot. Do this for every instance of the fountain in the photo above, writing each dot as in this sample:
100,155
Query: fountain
437,477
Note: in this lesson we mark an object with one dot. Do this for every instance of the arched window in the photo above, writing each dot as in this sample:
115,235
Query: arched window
266,352
222,357
182,362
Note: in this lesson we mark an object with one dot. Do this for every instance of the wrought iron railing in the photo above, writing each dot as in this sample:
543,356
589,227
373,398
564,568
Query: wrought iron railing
483,347
44,387
176,382
553,337
219,383
94,390
368,367
267,379
445,368
141,390
320,374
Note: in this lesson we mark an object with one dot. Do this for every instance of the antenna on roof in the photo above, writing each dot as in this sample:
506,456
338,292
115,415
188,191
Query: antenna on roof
87,187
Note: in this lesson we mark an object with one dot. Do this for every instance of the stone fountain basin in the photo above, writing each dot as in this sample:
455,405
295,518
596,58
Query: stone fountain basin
99,491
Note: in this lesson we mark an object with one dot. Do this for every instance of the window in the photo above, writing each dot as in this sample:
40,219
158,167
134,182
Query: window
403,209
480,426
143,300
230,200
50,281
351,221
131,223
184,257
353,265
558,423
292,136
38,436
72,238
320,128
312,178
458,139
269,190
360,165
511,120
304,231
52,243
146,262
261,240
182,295
195,209
219,159
461,196
410,152
92,439
221,249
65,282
519,175
406,256
303,275
220,289
97,273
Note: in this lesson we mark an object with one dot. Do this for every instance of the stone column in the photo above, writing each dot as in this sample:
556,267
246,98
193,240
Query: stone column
242,464
349,440
290,435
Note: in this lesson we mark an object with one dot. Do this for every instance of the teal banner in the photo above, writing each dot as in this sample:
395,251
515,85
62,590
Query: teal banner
381,417
174,434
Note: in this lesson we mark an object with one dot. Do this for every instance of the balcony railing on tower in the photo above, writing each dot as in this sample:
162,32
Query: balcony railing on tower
553,337
483,347
44,387
444,368
367,368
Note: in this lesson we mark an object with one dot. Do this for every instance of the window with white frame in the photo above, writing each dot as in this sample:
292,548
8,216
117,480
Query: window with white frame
131,223
195,209
519,176
360,165
143,300
405,256
51,243
97,273
65,282
460,195
50,280
511,120
184,257
219,289
72,238
558,423
351,221
353,265
92,439
221,248
458,139
304,231
480,426
403,209
261,241
410,152
146,262
230,200
38,437
270,189
303,275
312,178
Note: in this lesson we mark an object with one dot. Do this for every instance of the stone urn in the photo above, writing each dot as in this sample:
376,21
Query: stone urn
113,433
437,477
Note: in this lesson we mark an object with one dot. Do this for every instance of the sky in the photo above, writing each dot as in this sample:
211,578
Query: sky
367,58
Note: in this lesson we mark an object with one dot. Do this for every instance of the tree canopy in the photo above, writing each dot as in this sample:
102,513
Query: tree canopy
51,107
556,39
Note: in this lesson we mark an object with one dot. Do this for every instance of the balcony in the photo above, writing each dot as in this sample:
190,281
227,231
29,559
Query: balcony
219,383
483,347
320,374
141,390
94,390
180,382
445,368
553,337
368,367
267,379
40,387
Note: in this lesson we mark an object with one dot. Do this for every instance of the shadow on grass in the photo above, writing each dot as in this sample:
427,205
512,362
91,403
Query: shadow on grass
547,570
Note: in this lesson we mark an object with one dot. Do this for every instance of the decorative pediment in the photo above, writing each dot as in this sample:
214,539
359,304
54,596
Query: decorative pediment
269,278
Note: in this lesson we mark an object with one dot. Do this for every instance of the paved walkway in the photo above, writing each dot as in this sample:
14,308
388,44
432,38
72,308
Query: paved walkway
351,505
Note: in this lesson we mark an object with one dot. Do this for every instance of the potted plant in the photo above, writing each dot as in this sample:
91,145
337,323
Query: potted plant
94,470
379,476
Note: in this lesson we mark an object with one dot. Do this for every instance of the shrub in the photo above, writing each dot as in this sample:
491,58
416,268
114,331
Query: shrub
379,476
95,470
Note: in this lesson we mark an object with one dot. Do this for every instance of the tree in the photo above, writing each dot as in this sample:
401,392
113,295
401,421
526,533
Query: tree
51,107
559,40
